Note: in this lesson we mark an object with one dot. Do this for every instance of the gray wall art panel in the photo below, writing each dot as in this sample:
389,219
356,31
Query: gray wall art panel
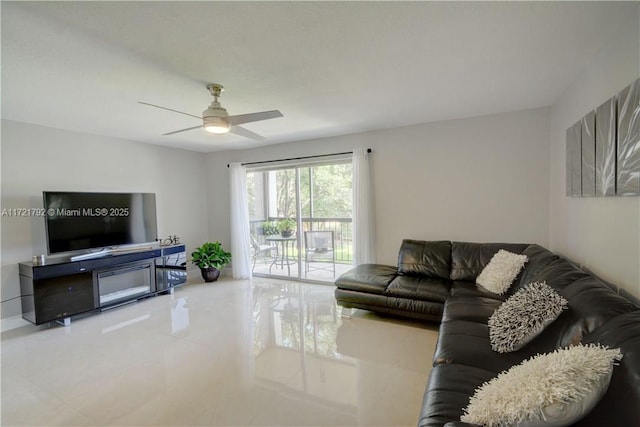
588,128
603,148
574,160
629,140
606,148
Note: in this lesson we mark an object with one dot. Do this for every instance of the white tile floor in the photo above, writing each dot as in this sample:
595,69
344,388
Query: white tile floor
260,352
322,272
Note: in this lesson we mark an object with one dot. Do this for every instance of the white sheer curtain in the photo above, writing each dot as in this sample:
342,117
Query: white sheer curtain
240,237
364,251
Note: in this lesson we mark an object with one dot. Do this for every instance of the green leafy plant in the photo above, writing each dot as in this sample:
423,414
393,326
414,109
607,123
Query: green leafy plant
269,228
286,225
211,255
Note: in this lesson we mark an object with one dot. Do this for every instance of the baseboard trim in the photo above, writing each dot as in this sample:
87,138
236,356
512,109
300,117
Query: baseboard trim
13,322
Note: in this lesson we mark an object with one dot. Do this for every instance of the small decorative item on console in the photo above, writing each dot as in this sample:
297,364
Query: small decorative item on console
171,240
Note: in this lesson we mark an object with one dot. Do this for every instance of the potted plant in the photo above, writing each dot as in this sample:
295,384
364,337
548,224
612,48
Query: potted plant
269,228
286,227
210,258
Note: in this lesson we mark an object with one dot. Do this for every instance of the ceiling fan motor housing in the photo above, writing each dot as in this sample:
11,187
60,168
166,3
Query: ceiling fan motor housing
214,119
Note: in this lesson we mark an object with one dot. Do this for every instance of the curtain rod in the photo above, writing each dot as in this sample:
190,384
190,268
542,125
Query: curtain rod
298,158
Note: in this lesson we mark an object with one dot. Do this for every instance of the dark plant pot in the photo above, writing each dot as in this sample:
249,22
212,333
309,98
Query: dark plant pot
210,274
286,233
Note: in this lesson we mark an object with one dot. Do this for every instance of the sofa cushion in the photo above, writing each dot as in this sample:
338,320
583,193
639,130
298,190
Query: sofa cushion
558,274
421,288
591,304
470,289
627,295
502,270
615,409
372,278
465,342
468,259
393,306
552,389
524,316
539,259
448,391
473,308
424,258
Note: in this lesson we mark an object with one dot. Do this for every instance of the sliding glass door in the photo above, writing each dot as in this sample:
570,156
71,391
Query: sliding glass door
301,221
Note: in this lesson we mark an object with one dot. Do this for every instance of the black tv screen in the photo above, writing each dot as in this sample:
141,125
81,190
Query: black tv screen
77,221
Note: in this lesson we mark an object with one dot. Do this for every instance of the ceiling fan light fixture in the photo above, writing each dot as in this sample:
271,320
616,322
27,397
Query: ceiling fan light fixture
214,124
216,120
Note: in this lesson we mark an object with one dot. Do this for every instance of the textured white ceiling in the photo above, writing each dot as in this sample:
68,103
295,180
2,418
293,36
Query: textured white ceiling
331,68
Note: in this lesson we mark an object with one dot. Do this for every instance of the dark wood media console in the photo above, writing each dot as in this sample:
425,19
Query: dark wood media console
62,288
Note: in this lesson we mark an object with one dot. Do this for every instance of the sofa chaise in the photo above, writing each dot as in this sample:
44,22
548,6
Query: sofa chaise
436,281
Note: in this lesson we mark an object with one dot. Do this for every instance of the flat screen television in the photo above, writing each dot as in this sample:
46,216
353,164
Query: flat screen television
76,221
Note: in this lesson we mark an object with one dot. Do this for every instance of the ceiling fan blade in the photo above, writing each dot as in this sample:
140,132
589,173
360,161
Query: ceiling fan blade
239,130
169,109
181,130
253,117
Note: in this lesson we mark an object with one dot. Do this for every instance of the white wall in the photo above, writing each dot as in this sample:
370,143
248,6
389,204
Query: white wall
476,179
36,158
601,233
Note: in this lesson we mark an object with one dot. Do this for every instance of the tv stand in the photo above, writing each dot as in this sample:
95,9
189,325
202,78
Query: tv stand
62,288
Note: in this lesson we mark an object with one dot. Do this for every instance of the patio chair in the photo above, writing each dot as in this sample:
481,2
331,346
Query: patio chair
319,249
261,251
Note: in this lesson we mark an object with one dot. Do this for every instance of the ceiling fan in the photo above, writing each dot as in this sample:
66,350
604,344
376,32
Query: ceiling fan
215,119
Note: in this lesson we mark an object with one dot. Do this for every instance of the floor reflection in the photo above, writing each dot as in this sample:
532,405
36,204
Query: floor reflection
179,316
295,346
260,352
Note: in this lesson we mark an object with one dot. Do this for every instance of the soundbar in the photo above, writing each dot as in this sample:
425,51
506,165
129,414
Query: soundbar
92,255
104,252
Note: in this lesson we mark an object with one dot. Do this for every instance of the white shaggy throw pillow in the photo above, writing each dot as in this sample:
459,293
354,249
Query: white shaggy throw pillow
523,316
554,389
501,271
